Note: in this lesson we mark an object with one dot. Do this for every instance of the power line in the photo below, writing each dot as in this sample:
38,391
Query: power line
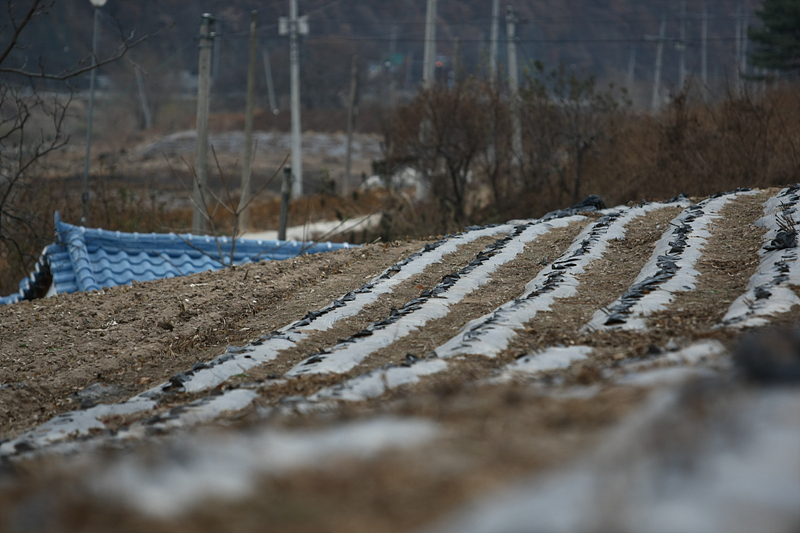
620,40
275,25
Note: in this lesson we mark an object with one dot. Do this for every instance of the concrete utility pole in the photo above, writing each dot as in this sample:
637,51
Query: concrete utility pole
96,32
429,62
199,222
656,101
631,68
495,35
217,50
294,26
247,154
682,47
351,118
513,81
270,86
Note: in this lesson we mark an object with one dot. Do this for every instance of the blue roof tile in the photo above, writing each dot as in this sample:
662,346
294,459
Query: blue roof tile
84,259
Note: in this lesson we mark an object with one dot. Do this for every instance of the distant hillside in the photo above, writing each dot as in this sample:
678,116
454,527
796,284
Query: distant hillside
594,35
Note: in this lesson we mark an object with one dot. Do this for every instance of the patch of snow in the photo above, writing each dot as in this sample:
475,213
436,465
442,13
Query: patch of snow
417,266
691,355
578,392
550,359
74,424
209,408
347,355
768,292
490,334
85,422
662,285
734,481
290,335
377,382
662,377
212,376
227,467
318,230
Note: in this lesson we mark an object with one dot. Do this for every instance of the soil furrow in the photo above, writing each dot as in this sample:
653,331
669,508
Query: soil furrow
131,337
507,283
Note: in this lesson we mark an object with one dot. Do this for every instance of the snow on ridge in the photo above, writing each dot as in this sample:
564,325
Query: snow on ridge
269,346
384,283
348,354
671,267
225,467
768,292
649,475
204,376
553,358
72,424
377,382
490,334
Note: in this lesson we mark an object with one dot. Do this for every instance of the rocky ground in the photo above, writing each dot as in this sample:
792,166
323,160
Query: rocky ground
387,387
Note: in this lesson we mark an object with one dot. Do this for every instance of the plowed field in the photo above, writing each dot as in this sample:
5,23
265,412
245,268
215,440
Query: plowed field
385,388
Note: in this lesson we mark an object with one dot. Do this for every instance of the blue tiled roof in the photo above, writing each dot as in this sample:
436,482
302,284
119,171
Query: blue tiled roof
84,259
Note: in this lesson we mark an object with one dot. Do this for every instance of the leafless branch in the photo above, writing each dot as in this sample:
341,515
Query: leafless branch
18,27
66,75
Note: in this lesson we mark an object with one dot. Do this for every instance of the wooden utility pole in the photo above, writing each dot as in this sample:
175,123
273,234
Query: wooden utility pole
351,118
199,222
513,82
494,37
247,153
655,103
429,63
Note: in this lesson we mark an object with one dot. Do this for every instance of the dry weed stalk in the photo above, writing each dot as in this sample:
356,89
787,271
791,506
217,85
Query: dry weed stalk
209,210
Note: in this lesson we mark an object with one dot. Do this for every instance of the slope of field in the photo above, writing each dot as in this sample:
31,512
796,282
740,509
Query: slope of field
382,389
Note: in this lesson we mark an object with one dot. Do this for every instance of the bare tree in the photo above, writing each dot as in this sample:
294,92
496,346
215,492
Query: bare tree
32,122
455,133
583,114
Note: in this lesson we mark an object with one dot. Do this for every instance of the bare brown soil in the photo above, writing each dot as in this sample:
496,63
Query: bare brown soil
134,337
491,433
